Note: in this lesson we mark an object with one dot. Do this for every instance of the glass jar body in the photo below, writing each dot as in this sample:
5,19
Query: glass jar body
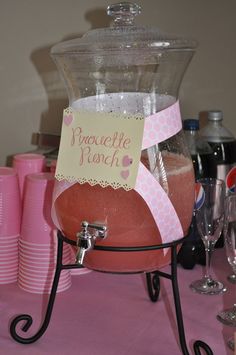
126,214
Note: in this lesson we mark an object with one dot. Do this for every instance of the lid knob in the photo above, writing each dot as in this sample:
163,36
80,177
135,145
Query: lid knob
123,13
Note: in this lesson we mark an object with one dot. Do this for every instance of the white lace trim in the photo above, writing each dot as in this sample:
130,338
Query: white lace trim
92,182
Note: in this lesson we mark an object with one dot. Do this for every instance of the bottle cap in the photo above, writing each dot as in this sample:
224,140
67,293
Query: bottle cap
215,115
191,124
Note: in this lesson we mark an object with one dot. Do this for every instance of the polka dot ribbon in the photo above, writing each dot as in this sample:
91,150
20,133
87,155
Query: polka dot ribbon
157,128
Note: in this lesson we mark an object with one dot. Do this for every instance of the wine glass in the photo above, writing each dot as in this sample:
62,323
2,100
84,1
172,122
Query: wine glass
209,211
232,278
228,316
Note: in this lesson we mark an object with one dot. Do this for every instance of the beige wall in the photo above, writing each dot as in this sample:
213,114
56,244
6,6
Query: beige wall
31,95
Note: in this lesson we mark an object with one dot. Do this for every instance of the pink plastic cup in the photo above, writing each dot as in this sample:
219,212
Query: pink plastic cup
38,283
30,260
6,246
42,289
40,273
27,267
36,261
10,204
9,263
38,257
8,257
36,266
49,249
25,164
8,267
23,243
33,282
8,273
37,225
35,246
38,277
8,252
45,262
8,280
42,246
48,254
9,240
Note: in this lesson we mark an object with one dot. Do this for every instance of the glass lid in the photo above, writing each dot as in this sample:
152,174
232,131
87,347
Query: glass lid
123,34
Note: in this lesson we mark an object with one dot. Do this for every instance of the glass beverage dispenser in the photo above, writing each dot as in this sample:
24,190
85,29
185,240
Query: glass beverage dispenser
119,74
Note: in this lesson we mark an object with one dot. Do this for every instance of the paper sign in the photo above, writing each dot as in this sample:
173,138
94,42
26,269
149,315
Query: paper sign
100,148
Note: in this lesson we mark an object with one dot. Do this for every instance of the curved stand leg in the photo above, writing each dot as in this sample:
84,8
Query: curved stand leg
28,319
153,285
198,345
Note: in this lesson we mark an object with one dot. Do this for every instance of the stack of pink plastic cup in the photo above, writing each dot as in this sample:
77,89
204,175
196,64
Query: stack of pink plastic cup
38,245
10,219
37,268
26,164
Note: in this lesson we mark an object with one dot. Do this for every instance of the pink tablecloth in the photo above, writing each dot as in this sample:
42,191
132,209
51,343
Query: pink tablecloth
104,314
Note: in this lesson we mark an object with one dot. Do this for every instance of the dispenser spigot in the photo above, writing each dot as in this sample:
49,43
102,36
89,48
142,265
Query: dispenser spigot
86,238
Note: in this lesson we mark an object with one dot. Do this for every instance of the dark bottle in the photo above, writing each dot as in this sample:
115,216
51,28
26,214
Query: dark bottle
202,154
223,144
192,250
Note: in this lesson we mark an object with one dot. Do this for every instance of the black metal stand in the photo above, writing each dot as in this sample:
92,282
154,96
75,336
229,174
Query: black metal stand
153,285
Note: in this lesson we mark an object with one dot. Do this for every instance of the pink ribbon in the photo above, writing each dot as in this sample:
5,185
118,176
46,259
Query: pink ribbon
157,128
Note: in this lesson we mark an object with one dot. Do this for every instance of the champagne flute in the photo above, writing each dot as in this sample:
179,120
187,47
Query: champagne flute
209,211
230,235
228,316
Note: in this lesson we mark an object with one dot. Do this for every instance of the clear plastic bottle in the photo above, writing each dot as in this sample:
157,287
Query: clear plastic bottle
223,144
222,141
192,250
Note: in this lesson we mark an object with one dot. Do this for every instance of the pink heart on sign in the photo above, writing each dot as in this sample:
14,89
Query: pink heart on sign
68,119
126,160
124,174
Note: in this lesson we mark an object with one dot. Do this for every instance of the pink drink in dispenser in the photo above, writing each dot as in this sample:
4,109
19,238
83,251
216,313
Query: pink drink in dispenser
127,70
